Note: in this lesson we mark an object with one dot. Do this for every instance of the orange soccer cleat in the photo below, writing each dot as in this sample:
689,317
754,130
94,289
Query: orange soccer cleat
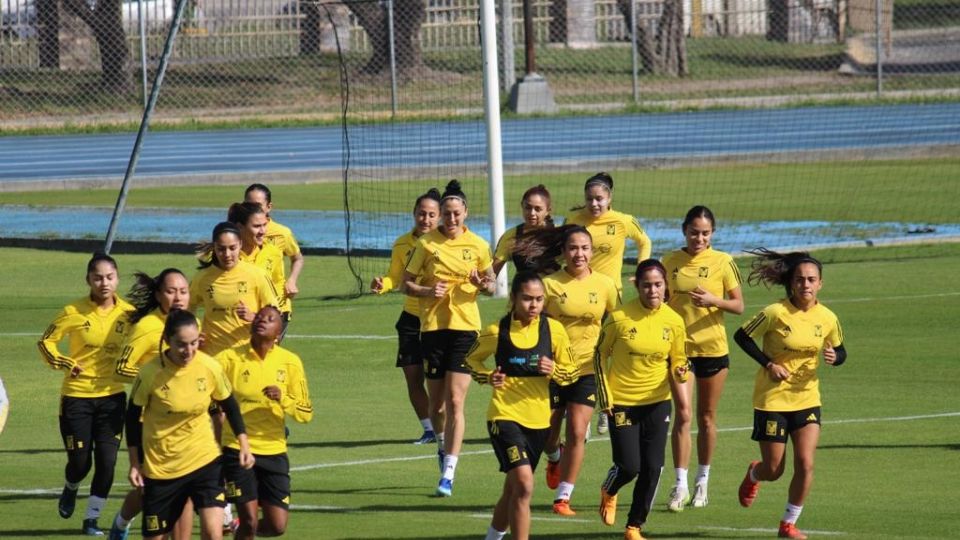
748,488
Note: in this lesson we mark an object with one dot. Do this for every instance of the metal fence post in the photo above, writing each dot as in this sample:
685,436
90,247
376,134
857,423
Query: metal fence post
506,40
633,51
143,51
393,59
879,47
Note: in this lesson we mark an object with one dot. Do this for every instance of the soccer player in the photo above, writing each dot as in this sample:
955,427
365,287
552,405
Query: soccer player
639,359
578,298
281,237
269,383
704,284
426,214
252,221
92,400
610,230
794,332
153,298
229,291
536,208
530,351
448,268
173,453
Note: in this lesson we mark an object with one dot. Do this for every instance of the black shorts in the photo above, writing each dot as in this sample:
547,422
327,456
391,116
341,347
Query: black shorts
705,367
410,353
516,445
583,391
163,500
772,426
267,482
88,421
446,350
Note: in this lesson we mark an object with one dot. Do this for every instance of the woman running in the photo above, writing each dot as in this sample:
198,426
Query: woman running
536,208
426,213
282,237
704,284
640,358
794,332
579,299
153,298
252,221
530,352
181,459
92,400
270,385
448,268
610,230
229,291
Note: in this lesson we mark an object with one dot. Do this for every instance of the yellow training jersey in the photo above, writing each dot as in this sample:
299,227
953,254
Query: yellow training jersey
177,433
504,249
218,292
639,348
610,232
270,259
141,344
792,338
399,255
95,337
579,304
264,418
282,237
438,258
525,400
714,272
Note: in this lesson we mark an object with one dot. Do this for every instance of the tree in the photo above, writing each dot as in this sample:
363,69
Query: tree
408,16
662,44
104,17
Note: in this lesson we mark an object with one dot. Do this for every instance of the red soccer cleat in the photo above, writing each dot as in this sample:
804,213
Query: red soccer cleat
748,488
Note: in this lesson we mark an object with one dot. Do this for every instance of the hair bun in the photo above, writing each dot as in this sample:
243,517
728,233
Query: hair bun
433,193
453,190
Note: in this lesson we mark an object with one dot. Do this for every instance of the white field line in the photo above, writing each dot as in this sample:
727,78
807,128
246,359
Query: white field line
360,336
540,518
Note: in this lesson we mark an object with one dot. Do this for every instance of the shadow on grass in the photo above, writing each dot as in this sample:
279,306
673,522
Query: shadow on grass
378,442
828,63
32,451
40,533
613,533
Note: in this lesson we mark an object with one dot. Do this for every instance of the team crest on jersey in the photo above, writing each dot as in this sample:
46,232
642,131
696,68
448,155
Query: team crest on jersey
246,375
818,330
603,248
666,334
242,287
703,271
592,297
466,254
152,523
563,298
281,375
210,291
674,273
165,390
612,229
786,330
202,384
119,327
621,419
771,428
513,454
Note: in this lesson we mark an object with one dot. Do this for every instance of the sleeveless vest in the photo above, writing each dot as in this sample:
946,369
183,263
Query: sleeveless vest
516,362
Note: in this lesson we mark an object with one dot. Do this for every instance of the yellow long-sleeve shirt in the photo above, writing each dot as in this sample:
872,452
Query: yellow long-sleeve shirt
399,255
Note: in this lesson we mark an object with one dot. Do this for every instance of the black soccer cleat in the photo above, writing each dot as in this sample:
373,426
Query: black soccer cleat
68,501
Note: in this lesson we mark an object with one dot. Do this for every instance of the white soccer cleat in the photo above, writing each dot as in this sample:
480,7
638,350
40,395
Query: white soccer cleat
603,425
699,496
679,497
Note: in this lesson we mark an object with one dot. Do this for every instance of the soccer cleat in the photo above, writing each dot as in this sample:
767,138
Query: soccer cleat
608,508
232,526
90,528
428,437
117,533
445,488
562,507
790,530
603,424
632,533
553,471
67,503
679,497
440,455
748,488
699,496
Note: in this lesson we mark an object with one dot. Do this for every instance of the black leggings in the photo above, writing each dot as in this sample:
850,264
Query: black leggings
638,436
91,430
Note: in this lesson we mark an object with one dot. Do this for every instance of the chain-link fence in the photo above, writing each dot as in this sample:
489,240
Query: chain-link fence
89,61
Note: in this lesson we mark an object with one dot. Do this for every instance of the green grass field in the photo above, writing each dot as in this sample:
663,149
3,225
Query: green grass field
887,467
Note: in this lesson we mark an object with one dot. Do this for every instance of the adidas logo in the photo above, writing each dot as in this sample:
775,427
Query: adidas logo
812,418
